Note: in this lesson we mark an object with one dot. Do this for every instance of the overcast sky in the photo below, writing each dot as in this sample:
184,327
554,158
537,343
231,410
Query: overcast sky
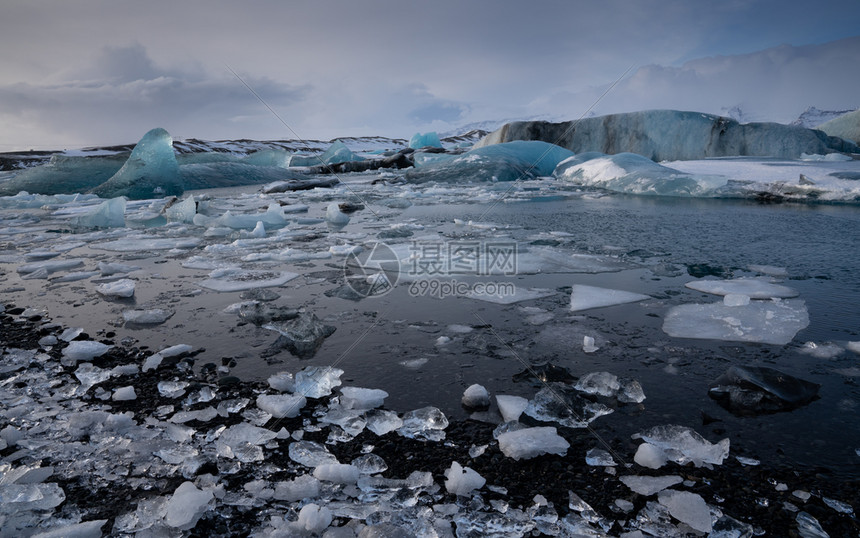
98,72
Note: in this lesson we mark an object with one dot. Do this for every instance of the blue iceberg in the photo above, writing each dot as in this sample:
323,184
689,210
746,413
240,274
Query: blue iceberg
424,140
150,171
64,175
336,153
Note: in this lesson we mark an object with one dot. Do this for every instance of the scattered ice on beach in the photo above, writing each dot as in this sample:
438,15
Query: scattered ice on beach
602,383
84,350
314,518
809,527
683,445
650,456
461,480
598,457
282,382
186,506
310,454
688,508
475,396
425,423
587,297
317,381
381,421
281,405
123,394
557,403
361,398
649,485
511,407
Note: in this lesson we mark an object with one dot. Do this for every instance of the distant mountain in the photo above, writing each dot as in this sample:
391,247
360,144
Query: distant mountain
812,117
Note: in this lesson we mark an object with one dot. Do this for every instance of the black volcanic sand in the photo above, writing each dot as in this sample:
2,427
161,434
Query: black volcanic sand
739,491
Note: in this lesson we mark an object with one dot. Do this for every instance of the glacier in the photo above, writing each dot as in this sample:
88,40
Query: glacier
669,135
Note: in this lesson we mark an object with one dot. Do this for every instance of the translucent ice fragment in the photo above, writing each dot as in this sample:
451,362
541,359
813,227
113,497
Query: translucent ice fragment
587,297
511,407
462,480
186,506
682,445
121,288
528,443
649,485
281,405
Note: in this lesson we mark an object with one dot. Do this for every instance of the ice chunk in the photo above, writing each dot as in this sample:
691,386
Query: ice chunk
186,506
528,443
557,403
649,485
501,293
650,456
736,299
154,316
599,458
588,345
425,423
183,211
108,214
688,508
314,518
335,218
361,398
240,441
602,383
423,140
84,350
150,170
123,288
809,527
49,266
281,405
310,454
282,382
461,480
749,390
302,487
20,497
683,445
235,279
301,336
839,506
317,381
340,473
586,297
755,288
475,396
370,464
336,153
108,269
767,322
380,421
511,407
86,529
172,389
123,394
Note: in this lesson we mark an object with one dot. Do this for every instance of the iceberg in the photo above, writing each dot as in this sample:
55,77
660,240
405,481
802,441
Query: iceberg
212,175
150,171
668,135
512,161
424,140
63,174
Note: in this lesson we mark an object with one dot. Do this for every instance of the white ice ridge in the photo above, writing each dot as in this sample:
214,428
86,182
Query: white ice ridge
587,297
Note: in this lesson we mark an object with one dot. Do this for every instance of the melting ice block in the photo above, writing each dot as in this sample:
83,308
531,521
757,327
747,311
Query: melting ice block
462,480
688,508
310,454
121,288
587,297
108,214
361,398
499,293
155,316
340,473
528,443
475,396
649,485
84,350
750,390
314,518
754,288
511,407
317,381
150,171
425,423
768,322
281,405
683,445
301,336
186,506
235,279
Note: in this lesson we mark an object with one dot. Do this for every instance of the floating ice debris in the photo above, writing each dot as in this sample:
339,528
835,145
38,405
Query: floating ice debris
154,316
649,485
339,473
84,350
314,518
108,269
361,398
317,381
839,506
650,456
241,442
70,334
747,462
413,364
688,508
281,405
754,288
144,243
186,506
511,407
426,423
558,403
770,270
461,480
108,214
282,382
768,322
597,457
475,396
853,346
505,293
750,390
154,361
683,445
368,464
310,454
821,351
381,421
121,288
335,218
528,443
50,266
235,279
183,211
301,336
123,394
809,527
588,297
602,383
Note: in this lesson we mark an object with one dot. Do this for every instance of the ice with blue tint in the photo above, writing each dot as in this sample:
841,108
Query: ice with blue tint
232,174
150,171
336,153
108,214
512,161
423,140
268,157
272,218
64,174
